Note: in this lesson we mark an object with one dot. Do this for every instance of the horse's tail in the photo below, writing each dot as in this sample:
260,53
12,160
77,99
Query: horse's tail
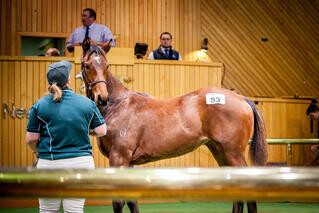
258,152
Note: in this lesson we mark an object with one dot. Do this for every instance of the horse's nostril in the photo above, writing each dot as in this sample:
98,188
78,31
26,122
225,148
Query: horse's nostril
100,101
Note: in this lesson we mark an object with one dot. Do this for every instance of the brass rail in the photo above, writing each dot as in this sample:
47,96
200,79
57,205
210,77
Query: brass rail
291,141
219,184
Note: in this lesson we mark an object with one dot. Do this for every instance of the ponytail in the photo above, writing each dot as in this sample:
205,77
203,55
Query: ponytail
56,91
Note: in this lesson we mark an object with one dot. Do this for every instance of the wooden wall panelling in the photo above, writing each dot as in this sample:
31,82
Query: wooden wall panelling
2,124
262,50
28,16
17,124
29,98
3,50
274,30
11,128
5,122
243,48
235,29
10,136
23,102
297,23
1,114
218,42
290,27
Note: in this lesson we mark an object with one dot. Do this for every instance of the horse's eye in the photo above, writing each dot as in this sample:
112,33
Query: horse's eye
87,66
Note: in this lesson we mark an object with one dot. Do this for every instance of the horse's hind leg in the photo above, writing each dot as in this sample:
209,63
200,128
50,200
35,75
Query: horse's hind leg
252,206
118,206
133,206
228,158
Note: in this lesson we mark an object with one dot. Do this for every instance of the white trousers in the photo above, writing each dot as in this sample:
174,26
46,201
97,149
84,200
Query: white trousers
74,205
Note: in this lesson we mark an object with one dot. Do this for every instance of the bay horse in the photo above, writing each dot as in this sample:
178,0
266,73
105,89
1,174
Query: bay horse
143,129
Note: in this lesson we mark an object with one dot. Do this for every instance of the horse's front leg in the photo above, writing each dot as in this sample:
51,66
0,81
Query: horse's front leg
119,160
118,206
238,207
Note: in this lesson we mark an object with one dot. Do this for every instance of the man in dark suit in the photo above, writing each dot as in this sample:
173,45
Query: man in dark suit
165,51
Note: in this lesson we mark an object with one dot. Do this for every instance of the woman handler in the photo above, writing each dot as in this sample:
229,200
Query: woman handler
58,132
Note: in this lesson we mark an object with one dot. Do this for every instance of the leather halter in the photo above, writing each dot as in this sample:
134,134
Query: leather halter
89,85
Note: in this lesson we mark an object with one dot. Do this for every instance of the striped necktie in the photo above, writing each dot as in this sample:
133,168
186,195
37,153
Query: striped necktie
166,53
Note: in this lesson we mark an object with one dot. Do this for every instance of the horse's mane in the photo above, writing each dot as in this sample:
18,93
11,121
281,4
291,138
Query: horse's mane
143,94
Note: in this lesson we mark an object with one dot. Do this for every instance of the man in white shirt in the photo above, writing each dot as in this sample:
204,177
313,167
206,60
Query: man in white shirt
99,34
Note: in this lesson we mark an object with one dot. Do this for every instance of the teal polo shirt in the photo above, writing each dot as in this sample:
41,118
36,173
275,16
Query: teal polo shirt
64,126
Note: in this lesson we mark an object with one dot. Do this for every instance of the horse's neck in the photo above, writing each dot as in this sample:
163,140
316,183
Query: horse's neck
114,87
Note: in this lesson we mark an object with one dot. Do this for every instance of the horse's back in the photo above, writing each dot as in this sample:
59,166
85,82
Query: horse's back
223,100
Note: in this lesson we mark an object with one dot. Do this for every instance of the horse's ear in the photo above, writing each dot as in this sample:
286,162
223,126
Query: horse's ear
86,45
107,46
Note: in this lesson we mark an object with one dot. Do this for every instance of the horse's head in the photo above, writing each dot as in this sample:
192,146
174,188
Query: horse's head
94,71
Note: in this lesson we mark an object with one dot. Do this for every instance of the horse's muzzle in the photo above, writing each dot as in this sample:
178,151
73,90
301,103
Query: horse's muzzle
100,101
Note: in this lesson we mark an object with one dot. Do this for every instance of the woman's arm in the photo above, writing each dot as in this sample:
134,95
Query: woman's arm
99,131
32,140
